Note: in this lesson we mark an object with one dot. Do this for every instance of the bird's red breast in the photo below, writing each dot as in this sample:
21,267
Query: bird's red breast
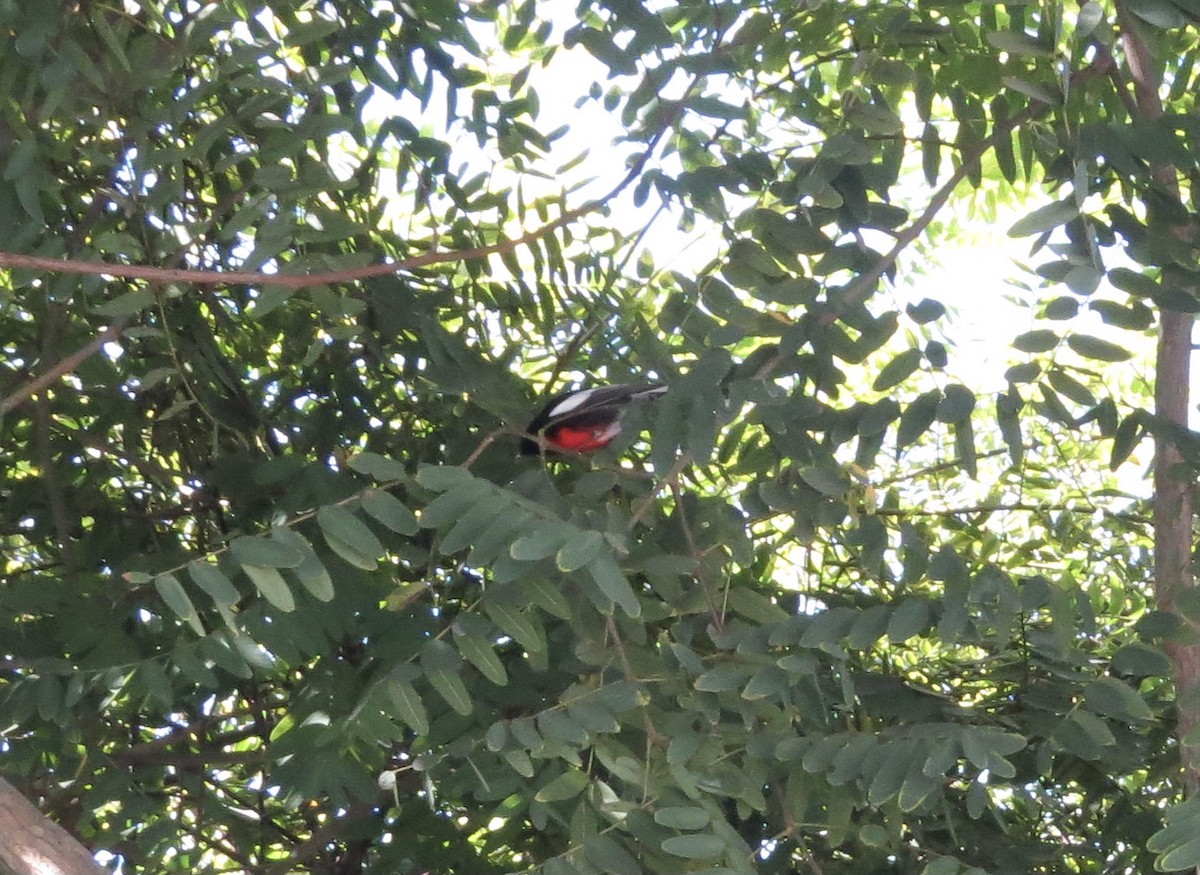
584,420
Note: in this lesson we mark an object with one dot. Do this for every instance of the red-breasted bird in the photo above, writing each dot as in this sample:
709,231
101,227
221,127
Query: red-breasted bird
584,420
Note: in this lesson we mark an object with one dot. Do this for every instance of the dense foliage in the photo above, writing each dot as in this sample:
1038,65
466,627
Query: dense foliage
279,596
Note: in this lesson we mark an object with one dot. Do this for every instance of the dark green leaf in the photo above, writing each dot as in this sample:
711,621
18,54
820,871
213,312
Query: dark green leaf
172,592
379,467
1040,340
210,579
349,537
566,786
271,585
476,642
699,846
1095,348
265,552
408,705
608,855
1045,218
1112,698
917,417
897,370
582,548
390,511
682,818
614,584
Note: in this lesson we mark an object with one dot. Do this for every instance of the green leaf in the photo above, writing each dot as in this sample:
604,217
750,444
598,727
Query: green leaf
1095,729
271,585
956,405
1141,659
826,479
592,716
408,705
1063,307
379,467
127,304
1113,698
171,591
439,478
519,624
910,618
539,544
1095,348
546,595
1008,419
755,606
1091,14
1065,384
678,817
387,509
474,638
1129,434
718,109
1045,218
566,786
271,298
608,855
886,782
1083,279
1035,90
700,846
769,681
265,552
349,537
1182,857
466,530
210,579
1018,43
917,417
520,762
925,311
582,547
874,118
441,663
1040,340
556,724
614,584
312,575
897,370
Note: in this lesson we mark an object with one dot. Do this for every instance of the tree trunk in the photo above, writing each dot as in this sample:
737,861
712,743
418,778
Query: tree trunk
1172,479
32,845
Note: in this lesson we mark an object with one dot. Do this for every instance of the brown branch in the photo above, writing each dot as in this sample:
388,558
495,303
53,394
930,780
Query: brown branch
30,844
43,428
211,751
16,260
62,367
861,287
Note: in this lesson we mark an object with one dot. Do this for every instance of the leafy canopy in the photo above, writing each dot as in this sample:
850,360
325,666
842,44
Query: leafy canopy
278,595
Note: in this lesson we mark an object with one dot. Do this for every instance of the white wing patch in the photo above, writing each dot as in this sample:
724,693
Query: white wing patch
571,402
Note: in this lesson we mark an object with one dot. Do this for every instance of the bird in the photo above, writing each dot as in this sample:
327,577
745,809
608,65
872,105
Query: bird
583,420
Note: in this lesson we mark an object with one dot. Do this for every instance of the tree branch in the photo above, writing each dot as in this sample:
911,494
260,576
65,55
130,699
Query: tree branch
62,367
34,845
21,261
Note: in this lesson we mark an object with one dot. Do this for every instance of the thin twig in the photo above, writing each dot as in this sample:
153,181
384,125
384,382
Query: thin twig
63,366
668,480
